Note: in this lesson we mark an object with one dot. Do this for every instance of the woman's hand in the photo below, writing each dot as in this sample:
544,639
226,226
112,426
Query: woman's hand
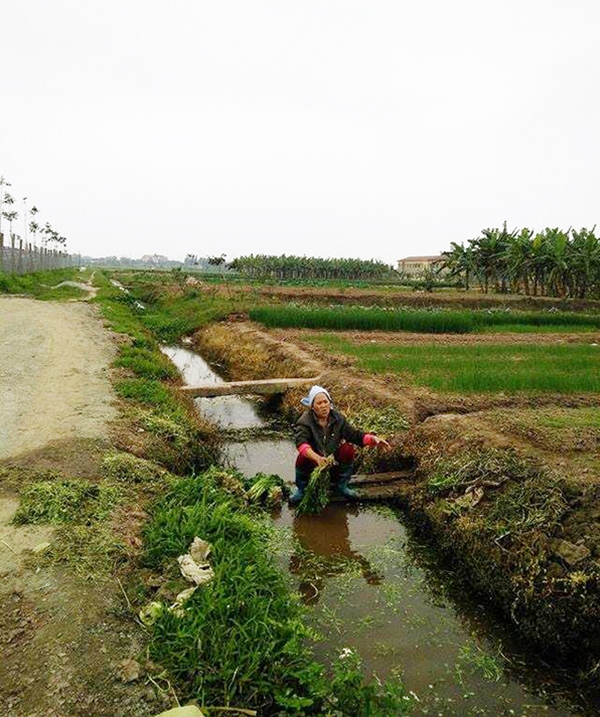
321,460
381,442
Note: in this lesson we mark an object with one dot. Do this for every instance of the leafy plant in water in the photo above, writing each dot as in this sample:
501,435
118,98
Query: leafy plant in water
266,488
316,495
350,696
478,661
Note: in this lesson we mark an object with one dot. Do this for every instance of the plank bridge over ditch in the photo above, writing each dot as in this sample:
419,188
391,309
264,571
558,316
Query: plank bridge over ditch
264,387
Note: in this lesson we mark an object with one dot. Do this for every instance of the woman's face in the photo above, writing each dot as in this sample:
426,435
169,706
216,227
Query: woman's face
321,405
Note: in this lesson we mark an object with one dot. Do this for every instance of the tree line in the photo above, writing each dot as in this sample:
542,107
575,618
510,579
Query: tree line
552,262
30,220
283,267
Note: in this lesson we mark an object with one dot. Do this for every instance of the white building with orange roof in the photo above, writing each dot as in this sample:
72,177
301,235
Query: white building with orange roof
418,265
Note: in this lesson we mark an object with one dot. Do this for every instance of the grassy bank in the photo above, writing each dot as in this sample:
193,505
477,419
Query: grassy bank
509,526
40,284
166,427
415,320
569,368
241,639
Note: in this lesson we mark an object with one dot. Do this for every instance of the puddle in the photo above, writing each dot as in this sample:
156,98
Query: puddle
373,585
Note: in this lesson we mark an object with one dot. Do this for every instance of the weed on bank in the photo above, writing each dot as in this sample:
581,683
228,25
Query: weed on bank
241,640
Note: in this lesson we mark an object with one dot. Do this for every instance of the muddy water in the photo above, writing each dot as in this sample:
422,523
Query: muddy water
372,585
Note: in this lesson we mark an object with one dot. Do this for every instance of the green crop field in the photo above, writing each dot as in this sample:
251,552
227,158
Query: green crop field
484,368
420,320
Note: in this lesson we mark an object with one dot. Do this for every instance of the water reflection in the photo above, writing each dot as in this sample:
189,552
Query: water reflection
325,552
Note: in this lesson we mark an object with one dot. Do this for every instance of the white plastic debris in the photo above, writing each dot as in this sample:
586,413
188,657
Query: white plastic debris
200,550
193,572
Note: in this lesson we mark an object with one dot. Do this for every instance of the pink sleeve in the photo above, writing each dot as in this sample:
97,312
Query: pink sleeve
369,440
302,448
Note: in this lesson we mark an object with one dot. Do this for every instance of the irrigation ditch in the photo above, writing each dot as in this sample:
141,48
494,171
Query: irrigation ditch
374,583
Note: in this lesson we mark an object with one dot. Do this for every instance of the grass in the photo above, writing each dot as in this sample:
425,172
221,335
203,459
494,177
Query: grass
39,284
173,310
568,368
241,640
182,441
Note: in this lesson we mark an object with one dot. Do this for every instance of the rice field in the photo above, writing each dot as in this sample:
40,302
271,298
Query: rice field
570,368
436,321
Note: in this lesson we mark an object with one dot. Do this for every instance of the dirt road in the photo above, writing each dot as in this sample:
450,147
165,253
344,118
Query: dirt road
62,636
54,359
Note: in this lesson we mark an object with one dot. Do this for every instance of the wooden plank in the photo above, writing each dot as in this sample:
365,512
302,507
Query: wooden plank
382,492
237,388
380,478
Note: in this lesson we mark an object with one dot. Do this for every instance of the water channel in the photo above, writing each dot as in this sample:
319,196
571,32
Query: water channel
373,585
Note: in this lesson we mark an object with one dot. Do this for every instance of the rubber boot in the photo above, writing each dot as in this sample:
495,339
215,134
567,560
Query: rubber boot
301,483
345,472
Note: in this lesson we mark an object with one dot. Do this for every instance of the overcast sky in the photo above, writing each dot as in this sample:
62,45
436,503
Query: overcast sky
372,128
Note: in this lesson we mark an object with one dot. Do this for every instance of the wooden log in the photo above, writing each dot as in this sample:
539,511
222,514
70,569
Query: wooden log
263,387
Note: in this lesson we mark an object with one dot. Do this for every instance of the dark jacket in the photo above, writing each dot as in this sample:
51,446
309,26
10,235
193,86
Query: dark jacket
326,441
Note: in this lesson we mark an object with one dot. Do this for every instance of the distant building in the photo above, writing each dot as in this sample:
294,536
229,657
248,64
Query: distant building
418,265
155,259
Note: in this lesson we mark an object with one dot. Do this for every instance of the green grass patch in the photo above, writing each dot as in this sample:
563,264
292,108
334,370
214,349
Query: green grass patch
242,639
40,284
184,442
567,368
147,363
384,421
92,551
363,318
67,501
587,417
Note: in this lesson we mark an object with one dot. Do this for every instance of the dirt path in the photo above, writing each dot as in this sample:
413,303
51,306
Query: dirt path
53,374
62,637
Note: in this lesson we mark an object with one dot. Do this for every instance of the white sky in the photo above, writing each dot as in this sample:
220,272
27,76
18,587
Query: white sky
378,128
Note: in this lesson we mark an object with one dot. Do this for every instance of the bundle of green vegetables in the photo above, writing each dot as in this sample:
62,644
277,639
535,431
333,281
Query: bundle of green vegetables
316,494
266,489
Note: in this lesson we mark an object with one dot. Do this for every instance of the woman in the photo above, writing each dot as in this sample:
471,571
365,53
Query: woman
322,431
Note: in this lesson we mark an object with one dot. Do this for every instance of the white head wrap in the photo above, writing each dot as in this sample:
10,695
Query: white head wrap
312,394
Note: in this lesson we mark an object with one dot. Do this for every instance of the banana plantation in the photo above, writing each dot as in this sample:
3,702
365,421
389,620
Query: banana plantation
552,262
262,266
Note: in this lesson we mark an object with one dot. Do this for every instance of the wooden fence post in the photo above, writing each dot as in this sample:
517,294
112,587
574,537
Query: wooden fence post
1,252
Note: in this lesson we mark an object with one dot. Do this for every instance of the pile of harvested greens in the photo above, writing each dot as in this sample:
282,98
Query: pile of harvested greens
316,495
